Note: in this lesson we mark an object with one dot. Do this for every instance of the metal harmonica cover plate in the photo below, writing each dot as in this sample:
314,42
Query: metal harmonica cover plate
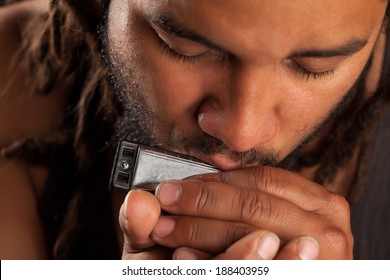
138,166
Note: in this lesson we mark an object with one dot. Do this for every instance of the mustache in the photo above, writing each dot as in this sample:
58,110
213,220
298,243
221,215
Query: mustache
209,145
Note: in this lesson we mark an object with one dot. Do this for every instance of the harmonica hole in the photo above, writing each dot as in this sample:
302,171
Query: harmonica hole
128,153
123,177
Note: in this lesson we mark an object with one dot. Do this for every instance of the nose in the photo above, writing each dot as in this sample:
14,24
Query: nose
242,112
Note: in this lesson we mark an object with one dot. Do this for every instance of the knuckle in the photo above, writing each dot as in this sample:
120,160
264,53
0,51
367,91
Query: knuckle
195,233
235,233
205,198
338,242
334,236
337,237
254,208
226,177
264,177
338,205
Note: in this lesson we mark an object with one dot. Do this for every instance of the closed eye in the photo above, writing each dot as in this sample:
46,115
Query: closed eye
182,49
310,71
178,55
308,74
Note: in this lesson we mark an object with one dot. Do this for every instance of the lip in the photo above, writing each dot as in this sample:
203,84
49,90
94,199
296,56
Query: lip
221,161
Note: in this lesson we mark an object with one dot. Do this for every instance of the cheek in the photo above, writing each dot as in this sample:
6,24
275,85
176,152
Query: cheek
175,95
304,107
307,104
175,90
171,88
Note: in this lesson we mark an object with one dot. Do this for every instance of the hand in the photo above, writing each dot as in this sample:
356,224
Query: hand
217,210
258,245
137,218
141,210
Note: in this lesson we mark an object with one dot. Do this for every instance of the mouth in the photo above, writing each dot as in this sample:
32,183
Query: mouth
222,162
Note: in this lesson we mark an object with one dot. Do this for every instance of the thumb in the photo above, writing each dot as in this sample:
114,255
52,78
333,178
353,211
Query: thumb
258,245
137,218
302,248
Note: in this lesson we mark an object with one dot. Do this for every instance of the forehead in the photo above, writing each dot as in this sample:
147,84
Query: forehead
273,23
271,12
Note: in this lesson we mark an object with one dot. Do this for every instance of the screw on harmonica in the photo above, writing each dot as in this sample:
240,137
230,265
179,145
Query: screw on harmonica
125,165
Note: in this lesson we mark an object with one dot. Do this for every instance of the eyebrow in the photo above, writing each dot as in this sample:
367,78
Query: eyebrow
350,48
170,25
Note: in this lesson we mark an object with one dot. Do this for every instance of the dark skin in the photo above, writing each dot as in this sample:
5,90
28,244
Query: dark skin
251,101
254,100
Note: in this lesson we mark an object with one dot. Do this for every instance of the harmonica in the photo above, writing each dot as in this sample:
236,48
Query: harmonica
142,167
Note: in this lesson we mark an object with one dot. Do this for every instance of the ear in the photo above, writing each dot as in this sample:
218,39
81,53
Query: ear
89,12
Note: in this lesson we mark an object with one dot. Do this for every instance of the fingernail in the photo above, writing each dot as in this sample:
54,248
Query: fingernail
125,206
168,193
163,227
123,212
268,246
184,254
308,248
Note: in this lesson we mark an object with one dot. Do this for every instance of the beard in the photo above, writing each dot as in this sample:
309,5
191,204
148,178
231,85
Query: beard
138,123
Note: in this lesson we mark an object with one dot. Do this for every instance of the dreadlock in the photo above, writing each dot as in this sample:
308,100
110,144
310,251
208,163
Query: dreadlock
62,46
65,45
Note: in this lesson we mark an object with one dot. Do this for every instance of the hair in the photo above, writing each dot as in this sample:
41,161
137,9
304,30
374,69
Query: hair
65,45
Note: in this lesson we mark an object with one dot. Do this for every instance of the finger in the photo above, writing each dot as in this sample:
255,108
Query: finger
259,245
228,203
208,235
190,254
278,182
302,248
329,222
138,216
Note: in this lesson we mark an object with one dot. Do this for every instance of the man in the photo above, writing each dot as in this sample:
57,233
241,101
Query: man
255,88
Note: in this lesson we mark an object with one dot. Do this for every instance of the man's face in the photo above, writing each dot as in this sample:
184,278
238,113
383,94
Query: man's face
236,82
